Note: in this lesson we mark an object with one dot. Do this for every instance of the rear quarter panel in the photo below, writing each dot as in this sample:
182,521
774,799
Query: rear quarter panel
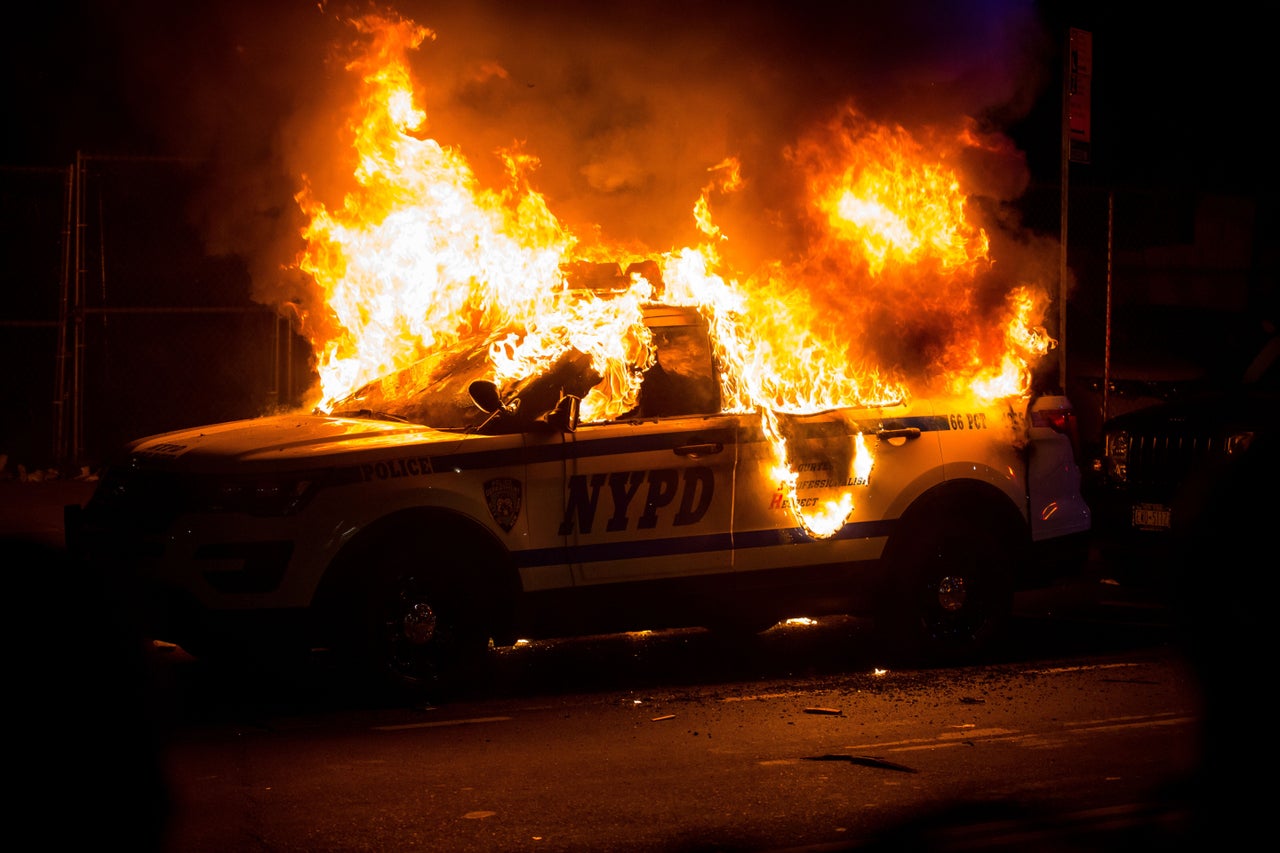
821,451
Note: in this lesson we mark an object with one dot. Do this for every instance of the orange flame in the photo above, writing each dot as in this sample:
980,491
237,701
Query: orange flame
419,255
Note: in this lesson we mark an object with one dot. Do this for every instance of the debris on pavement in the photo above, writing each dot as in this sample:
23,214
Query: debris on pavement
867,761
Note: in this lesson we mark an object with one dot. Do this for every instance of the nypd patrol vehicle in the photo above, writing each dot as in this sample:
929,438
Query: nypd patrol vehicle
433,517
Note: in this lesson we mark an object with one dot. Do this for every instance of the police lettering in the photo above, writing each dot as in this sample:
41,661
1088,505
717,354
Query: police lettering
412,466
660,486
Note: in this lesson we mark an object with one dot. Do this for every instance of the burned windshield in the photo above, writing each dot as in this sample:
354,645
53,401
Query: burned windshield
435,391
431,391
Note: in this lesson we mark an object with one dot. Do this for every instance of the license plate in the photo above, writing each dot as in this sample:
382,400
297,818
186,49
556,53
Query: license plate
1151,516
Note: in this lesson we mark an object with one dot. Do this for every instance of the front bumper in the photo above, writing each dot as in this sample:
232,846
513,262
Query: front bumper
128,569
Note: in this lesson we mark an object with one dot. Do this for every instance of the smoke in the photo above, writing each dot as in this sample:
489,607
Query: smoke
626,106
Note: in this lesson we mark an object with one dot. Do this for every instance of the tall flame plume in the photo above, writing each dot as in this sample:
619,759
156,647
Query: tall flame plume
418,255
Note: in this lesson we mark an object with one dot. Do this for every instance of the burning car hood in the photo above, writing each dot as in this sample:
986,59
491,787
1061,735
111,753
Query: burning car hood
284,438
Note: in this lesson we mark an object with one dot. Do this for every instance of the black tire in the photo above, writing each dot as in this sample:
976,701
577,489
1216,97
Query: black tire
417,635
950,588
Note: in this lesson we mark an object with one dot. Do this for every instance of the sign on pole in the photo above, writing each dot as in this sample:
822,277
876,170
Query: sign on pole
1079,78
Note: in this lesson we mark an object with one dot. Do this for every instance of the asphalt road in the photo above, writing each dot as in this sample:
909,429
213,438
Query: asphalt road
1085,736
1101,726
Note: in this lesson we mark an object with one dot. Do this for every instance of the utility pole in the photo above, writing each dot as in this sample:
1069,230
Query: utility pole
62,453
1065,181
1077,76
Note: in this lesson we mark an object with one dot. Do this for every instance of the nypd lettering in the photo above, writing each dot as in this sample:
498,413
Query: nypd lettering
408,466
684,495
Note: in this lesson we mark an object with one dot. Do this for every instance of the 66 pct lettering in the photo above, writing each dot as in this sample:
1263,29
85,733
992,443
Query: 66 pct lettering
661,487
968,420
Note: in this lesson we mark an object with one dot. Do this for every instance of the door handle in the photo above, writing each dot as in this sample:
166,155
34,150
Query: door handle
697,451
905,432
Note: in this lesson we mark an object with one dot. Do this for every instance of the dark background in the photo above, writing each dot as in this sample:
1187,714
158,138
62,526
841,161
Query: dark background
194,124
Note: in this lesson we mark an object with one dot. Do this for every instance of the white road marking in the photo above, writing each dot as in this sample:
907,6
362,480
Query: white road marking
440,724
992,735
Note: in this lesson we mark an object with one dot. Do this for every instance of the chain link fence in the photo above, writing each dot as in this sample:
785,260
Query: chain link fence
117,323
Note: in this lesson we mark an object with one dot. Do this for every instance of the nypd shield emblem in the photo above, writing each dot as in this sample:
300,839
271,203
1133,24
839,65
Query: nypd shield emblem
502,494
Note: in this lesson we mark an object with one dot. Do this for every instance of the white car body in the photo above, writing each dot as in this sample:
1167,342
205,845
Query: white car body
644,522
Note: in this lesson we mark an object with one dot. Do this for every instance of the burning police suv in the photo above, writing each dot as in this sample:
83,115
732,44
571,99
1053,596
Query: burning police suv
435,513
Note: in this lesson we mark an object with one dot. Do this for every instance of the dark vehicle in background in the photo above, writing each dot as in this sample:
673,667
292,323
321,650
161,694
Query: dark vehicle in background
1164,469
1156,354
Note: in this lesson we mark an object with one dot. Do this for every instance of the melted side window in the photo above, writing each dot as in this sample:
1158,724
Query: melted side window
682,381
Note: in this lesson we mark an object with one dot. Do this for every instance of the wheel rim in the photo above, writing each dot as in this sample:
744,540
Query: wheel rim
961,603
419,623
412,633
951,593
953,611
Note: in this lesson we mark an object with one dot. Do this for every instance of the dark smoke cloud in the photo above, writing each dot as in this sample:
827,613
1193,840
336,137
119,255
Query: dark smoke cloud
626,105
629,107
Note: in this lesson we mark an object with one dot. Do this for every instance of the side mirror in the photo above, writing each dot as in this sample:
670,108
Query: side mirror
564,416
484,393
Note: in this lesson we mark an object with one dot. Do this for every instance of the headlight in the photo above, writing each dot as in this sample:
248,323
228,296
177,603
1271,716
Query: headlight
258,496
1117,454
1238,442
156,497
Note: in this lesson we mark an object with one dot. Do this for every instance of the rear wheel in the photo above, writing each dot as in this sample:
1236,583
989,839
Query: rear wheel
950,590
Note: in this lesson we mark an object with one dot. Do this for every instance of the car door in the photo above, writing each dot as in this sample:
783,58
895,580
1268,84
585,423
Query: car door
649,499
821,450
650,496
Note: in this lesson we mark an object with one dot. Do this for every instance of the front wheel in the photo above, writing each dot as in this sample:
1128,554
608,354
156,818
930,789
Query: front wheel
950,591
416,637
